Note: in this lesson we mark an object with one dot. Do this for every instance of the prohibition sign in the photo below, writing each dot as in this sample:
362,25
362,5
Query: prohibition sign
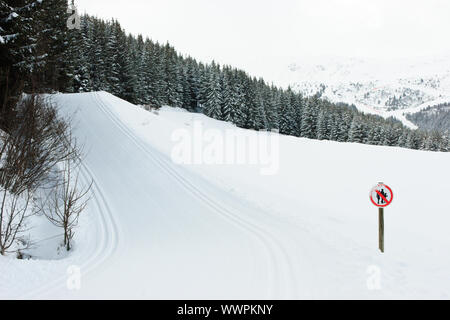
381,195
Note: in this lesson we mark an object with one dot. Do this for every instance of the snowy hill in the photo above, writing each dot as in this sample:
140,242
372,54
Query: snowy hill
384,87
297,224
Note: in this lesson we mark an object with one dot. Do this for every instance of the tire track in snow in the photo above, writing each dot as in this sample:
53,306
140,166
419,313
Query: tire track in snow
272,245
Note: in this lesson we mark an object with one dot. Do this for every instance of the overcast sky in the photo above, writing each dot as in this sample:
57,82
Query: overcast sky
260,34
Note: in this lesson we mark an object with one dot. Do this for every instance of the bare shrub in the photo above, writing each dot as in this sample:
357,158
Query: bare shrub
13,215
34,146
68,200
34,143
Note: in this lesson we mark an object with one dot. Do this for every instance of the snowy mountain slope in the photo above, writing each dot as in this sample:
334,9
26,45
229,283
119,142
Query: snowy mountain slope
383,87
433,118
156,229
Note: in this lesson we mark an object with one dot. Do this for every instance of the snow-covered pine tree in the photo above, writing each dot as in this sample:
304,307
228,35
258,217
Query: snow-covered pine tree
298,105
185,87
181,83
284,120
227,98
16,54
248,105
259,111
78,53
238,105
130,73
434,141
254,103
195,83
389,136
96,56
53,43
402,140
356,133
172,72
270,114
322,125
140,72
445,145
375,135
309,118
344,126
204,76
113,67
412,141
19,56
213,104
155,71
287,116
332,126
272,106
190,85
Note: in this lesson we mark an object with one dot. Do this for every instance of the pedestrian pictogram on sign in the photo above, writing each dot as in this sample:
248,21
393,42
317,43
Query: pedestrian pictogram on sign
381,195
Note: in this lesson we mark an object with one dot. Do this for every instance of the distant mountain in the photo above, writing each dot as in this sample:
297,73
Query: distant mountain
394,87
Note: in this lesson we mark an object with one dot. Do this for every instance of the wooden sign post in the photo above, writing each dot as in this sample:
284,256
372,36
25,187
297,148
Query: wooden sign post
381,196
381,228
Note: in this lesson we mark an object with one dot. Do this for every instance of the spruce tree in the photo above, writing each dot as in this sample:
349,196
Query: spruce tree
309,119
98,72
344,126
238,115
53,43
356,133
213,103
322,126
130,73
113,63
227,99
287,115
77,52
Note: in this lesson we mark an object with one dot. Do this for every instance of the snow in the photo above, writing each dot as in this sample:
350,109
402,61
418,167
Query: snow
155,229
8,38
11,16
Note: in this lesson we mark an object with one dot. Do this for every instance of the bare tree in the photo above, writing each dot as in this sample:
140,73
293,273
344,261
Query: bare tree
14,205
13,215
34,143
68,200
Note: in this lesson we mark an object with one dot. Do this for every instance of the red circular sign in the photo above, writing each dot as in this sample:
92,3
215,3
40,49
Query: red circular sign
381,195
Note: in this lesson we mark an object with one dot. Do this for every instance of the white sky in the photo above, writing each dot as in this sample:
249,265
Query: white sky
260,35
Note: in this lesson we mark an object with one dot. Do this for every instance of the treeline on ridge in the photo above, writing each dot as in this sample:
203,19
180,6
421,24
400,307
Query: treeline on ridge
102,56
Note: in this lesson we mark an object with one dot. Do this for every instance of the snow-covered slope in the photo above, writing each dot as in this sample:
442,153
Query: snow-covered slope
155,229
384,87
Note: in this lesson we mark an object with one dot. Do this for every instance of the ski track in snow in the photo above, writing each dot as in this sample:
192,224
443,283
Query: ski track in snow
158,230
106,245
281,280
274,248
